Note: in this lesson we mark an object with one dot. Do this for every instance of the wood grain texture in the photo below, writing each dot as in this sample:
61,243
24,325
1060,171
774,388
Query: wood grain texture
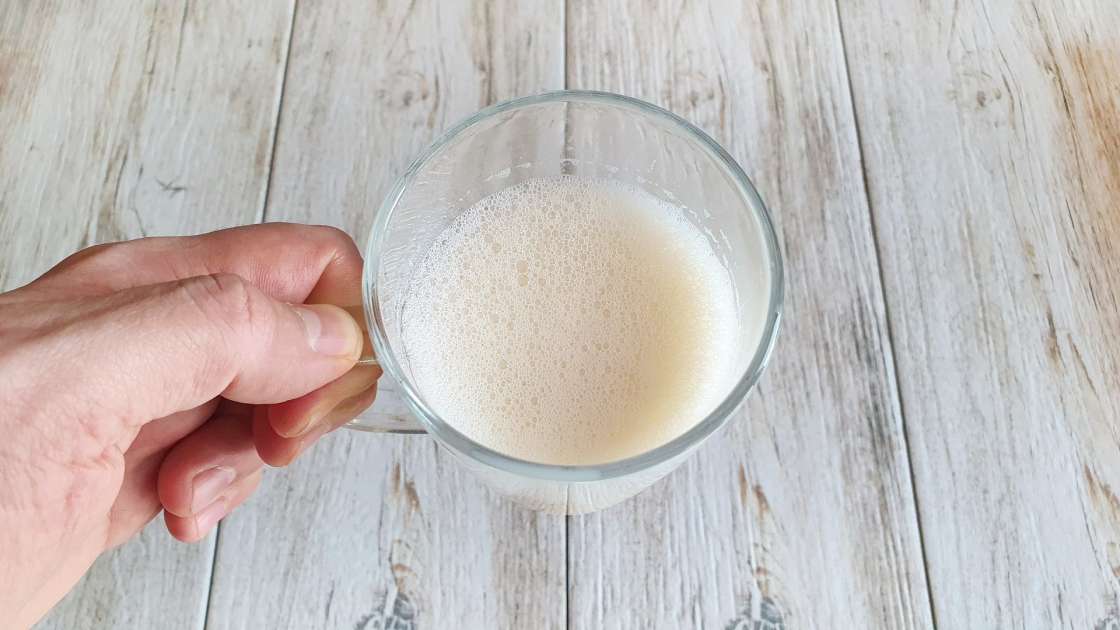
116,123
122,123
991,137
800,514
377,531
153,581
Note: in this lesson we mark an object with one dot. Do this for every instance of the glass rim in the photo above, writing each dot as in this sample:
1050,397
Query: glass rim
459,442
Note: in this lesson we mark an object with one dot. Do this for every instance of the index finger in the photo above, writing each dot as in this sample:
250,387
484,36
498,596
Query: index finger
289,262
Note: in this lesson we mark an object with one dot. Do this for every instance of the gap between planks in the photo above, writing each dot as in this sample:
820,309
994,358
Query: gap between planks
260,218
892,365
567,519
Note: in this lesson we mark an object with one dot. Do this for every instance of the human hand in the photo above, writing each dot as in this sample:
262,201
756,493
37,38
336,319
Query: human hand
163,373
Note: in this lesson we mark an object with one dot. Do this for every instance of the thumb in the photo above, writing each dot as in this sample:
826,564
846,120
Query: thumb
158,349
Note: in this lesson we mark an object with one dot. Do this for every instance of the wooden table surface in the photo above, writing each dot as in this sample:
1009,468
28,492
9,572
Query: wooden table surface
936,443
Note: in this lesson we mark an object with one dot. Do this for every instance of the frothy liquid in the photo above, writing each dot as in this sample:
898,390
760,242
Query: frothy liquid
571,321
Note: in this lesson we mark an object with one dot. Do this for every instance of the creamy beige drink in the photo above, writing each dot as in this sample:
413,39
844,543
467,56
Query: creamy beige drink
571,321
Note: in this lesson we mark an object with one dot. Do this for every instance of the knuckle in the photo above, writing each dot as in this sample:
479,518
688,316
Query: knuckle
94,251
236,318
93,267
105,255
228,300
334,240
331,233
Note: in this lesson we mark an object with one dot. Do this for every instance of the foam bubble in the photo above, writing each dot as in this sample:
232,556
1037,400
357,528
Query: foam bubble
595,323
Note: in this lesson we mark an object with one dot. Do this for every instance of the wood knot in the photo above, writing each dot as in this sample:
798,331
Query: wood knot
399,613
762,613
1108,622
405,90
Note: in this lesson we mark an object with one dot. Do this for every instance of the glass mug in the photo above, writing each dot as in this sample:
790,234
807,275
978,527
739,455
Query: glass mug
580,133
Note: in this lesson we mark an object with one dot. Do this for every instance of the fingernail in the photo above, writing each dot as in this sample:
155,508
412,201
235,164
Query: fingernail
209,484
330,330
320,414
206,519
304,425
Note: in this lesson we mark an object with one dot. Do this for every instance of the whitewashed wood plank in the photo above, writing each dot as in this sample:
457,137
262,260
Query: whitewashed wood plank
376,531
151,582
118,122
991,136
800,513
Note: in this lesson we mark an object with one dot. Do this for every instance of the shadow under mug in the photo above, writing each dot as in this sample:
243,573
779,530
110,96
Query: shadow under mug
593,134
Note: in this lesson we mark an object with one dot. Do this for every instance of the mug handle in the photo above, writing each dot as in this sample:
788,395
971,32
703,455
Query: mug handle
389,413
